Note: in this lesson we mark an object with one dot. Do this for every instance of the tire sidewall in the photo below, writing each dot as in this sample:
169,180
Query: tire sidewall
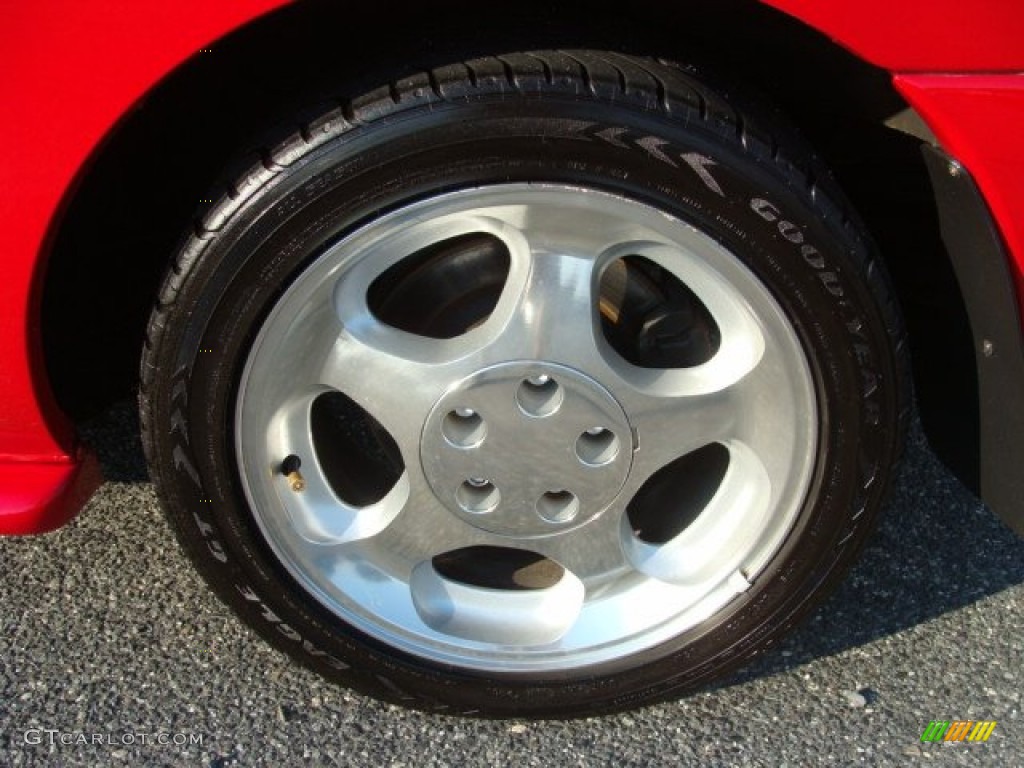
791,237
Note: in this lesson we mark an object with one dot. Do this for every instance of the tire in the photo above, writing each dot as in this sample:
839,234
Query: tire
548,384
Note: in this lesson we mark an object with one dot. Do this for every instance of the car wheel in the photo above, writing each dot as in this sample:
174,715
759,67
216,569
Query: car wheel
545,384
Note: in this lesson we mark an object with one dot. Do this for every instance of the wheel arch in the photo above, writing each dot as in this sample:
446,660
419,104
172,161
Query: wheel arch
131,203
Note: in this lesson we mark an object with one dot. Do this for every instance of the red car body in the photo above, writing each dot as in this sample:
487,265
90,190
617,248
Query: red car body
959,65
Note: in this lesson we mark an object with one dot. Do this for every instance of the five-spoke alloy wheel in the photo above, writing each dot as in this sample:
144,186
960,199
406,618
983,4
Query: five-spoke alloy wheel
522,386
516,529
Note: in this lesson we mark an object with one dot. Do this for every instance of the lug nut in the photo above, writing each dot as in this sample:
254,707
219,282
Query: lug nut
597,446
539,396
559,506
464,428
478,497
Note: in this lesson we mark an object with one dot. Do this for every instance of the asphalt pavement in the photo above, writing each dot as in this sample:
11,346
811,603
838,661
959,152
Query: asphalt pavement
112,652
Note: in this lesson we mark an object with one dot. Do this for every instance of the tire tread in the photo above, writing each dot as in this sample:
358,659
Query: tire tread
656,86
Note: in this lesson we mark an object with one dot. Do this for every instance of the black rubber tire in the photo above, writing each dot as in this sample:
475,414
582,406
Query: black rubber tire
644,129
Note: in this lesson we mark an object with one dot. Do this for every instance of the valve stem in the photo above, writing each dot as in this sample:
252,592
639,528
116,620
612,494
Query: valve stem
290,469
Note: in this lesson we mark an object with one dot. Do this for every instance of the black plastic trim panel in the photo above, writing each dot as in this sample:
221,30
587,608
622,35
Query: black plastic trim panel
981,263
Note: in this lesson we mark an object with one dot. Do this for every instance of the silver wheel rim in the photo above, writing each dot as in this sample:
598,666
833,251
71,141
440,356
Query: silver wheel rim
528,432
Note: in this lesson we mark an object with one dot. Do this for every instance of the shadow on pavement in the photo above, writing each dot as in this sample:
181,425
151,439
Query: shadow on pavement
938,549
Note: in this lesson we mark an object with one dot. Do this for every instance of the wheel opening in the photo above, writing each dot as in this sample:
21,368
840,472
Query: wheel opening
498,568
676,494
445,289
358,457
651,319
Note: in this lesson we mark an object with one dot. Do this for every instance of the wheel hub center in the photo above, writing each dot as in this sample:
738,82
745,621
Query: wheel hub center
527,449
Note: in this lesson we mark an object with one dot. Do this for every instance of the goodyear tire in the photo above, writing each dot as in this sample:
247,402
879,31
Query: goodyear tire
545,384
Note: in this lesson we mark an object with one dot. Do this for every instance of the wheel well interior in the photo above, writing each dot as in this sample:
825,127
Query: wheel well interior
187,138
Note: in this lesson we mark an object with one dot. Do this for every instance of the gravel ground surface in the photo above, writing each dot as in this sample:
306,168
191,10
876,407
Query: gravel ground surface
104,629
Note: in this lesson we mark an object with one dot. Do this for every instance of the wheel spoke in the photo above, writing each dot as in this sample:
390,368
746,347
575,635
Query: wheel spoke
670,427
394,376
320,517
594,552
312,507
425,527
719,540
742,339
528,617
548,311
